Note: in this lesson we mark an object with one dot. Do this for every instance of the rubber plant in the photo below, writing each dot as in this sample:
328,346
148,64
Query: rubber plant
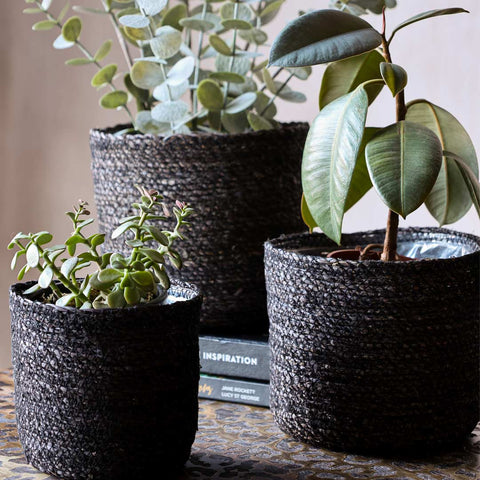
118,280
426,156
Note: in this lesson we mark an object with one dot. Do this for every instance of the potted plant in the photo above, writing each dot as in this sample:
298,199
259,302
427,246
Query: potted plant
105,366
204,123
375,348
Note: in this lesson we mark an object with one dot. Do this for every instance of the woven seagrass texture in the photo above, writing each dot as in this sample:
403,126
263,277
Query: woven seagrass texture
245,188
373,356
106,394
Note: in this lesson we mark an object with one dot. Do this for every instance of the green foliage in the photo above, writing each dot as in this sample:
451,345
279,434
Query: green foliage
118,280
425,157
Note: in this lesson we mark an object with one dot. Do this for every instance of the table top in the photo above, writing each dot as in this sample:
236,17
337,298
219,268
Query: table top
242,442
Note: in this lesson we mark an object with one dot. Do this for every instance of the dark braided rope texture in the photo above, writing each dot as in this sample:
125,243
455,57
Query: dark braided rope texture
106,394
371,356
245,188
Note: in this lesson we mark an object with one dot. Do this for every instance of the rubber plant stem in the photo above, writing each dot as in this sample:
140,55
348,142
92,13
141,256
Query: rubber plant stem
391,235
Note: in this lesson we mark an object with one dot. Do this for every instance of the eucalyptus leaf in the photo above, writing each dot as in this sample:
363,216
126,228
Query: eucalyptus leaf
235,123
403,160
44,25
165,93
89,10
78,62
329,159
166,43
395,77
173,16
152,7
136,34
61,44
323,36
46,4
134,21
241,65
244,12
30,11
241,103
146,124
263,106
71,29
227,77
210,95
258,123
346,75
169,111
235,24
197,24
181,71
140,94
115,99
270,10
146,74
301,72
104,75
254,35
219,45
448,200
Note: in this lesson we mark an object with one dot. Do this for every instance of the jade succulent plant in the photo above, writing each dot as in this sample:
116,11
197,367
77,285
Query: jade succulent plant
117,280
426,156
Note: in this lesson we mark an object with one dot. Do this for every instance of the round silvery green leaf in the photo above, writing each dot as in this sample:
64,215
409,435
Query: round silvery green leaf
146,124
241,103
43,25
169,111
75,62
258,123
235,123
103,51
233,24
173,16
152,7
115,99
227,77
46,4
146,74
236,89
166,43
210,95
104,76
244,12
261,106
71,29
197,24
61,44
31,11
290,95
301,72
165,93
181,71
220,45
270,11
140,94
136,34
134,21
255,36
241,65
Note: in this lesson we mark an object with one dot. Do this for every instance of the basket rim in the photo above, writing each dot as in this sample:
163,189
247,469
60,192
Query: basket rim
277,245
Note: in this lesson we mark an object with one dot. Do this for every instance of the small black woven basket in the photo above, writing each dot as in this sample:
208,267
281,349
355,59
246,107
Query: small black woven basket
245,188
372,356
106,394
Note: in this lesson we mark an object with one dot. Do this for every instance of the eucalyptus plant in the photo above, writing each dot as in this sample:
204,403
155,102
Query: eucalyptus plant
117,280
426,156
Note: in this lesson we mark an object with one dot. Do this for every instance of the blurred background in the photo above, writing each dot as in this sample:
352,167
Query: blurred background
47,110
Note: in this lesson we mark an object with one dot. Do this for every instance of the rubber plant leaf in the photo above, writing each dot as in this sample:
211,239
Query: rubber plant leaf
403,160
307,215
395,77
449,200
346,75
329,158
323,36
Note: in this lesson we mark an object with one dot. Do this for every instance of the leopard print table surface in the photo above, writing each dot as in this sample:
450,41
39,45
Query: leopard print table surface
242,442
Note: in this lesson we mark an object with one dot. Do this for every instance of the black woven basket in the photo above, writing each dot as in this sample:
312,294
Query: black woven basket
245,188
106,394
372,356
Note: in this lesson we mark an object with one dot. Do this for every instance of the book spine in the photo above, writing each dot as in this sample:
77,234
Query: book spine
235,358
234,390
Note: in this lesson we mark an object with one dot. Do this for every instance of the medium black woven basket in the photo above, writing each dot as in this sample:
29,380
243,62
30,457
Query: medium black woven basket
106,394
245,188
372,356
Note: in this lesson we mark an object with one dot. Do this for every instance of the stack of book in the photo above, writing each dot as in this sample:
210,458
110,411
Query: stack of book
235,369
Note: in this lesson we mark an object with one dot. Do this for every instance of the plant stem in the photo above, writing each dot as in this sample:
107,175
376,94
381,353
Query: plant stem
391,235
270,102
274,76
197,63
234,50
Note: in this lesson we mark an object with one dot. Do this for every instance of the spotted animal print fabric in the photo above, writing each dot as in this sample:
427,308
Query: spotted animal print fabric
242,442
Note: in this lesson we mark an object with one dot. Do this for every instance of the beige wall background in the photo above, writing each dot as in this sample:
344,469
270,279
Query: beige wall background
48,108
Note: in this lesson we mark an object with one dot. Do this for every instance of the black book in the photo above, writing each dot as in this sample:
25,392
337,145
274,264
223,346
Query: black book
245,357
234,390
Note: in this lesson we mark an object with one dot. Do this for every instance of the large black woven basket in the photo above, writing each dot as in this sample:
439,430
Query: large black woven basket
106,394
245,188
372,356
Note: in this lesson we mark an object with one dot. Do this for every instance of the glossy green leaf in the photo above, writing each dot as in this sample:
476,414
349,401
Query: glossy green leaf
448,201
258,123
43,25
322,36
220,45
115,99
227,77
68,266
361,182
43,237
71,29
144,279
134,21
425,15
173,16
235,24
104,75
109,276
33,256
116,299
103,51
241,103
75,62
210,95
403,160
197,24
329,158
146,75
395,77
307,215
66,300
170,111
166,43
346,75
45,278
